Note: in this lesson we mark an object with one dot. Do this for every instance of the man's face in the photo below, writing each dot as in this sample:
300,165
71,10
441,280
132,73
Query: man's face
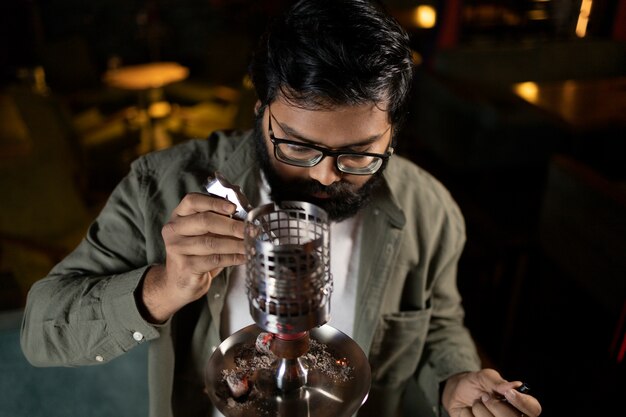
361,128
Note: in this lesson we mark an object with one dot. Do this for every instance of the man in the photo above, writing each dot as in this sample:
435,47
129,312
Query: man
164,261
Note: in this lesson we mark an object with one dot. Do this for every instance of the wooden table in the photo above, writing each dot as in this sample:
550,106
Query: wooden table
581,105
146,76
593,116
147,80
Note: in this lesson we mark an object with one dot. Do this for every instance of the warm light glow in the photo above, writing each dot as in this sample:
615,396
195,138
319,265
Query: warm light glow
416,57
424,16
160,109
247,82
581,26
529,91
583,18
146,76
538,14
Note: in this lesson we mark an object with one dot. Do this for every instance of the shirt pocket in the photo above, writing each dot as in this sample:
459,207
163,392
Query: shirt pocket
397,346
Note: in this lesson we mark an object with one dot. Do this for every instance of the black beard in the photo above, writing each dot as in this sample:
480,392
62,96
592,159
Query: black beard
344,199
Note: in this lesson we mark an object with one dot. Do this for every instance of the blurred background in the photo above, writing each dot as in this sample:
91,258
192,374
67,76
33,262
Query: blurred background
519,109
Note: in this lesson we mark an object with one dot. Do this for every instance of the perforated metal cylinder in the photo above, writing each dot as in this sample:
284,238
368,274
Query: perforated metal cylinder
288,267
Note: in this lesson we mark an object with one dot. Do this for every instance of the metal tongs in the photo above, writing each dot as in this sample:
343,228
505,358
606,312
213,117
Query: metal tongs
221,187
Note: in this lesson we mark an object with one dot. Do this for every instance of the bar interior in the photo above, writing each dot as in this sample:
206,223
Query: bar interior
519,108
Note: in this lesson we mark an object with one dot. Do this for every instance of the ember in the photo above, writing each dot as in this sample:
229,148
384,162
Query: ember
321,359
237,383
263,343
254,361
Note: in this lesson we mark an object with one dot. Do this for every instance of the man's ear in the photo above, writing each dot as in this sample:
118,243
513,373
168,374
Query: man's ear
257,106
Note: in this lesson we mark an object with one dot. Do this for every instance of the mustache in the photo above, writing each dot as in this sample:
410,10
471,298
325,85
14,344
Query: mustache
337,193
335,189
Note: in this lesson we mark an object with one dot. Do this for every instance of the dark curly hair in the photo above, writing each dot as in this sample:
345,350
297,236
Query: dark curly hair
324,53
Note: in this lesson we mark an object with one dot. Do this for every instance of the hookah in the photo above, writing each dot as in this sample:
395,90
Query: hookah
290,362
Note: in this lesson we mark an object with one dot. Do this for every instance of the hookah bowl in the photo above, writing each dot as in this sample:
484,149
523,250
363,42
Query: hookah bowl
308,368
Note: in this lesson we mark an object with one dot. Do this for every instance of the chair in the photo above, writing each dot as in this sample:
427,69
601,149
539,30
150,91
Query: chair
578,304
44,210
568,325
583,229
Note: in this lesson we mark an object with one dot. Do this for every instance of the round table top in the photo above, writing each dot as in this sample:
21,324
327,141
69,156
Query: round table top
583,105
145,76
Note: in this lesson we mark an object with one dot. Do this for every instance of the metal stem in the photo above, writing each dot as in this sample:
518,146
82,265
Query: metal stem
291,374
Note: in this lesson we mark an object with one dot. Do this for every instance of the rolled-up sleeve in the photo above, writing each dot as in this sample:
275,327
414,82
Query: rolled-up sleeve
85,322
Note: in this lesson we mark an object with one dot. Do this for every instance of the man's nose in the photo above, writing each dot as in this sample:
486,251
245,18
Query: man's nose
325,172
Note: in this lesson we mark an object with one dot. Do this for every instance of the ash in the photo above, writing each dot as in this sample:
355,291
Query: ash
321,359
255,368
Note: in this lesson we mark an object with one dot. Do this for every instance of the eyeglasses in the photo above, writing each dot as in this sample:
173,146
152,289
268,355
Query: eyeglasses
306,155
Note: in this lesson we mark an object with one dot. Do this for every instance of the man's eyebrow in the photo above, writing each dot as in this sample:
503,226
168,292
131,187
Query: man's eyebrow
294,134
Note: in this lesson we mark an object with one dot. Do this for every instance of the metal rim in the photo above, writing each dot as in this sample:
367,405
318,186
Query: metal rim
320,397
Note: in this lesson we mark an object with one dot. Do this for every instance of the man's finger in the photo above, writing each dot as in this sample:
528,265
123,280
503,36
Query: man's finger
466,412
202,264
198,203
490,378
208,244
499,407
205,222
479,409
525,403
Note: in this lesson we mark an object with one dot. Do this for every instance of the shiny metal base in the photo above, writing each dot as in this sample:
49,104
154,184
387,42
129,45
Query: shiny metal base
320,396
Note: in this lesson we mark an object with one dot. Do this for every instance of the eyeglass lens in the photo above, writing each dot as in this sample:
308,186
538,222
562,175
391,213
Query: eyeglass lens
302,155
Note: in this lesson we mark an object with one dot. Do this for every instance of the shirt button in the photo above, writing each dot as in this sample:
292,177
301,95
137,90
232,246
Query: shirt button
213,349
217,295
137,336
99,358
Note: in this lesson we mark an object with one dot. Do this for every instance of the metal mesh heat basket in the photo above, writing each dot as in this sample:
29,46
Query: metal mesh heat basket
288,267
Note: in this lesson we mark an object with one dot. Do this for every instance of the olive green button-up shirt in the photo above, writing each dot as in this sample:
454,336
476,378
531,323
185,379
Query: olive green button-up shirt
409,319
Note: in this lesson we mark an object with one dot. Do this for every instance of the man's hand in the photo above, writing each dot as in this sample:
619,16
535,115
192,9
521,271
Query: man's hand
486,394
200,240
